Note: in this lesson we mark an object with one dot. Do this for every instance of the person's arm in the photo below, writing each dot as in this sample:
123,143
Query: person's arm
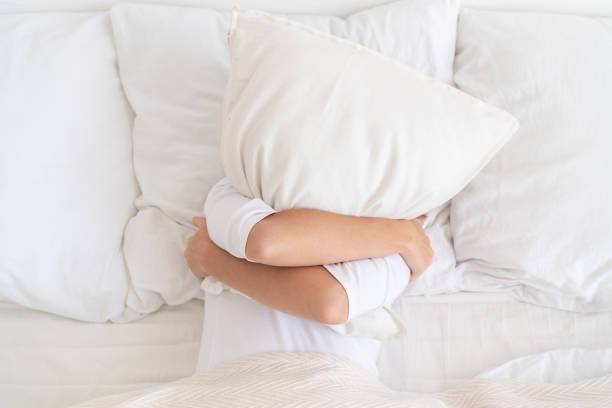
365,284
310,292
300,237
251,229
371,283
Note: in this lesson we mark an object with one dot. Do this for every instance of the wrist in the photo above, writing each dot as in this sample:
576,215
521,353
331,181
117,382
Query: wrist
403,234
211,257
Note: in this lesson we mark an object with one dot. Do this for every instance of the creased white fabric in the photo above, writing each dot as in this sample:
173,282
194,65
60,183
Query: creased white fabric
54,362
312,120
236,326
67,184
325,380
562,366
174,65
536,222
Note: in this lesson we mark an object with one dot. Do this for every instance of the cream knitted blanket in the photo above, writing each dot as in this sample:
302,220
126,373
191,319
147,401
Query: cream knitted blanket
325,380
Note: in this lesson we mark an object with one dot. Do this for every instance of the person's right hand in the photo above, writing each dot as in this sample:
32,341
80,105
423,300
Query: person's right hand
200,250
418,254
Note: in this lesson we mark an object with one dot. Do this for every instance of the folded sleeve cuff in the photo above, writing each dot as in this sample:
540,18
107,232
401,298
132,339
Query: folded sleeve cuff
230,216
371,283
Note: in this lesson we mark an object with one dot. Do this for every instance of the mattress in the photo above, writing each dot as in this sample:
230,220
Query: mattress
50,361
455,337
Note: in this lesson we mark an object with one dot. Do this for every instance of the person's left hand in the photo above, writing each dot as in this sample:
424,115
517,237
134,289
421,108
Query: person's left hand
199,249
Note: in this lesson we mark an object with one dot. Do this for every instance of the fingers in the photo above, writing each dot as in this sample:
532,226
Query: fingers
414,276
199,222
421,219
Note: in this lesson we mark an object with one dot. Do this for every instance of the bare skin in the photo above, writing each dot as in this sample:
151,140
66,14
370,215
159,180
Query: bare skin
289,248
309,292
303,237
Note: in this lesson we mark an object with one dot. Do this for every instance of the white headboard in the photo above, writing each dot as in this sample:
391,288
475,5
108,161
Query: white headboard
327,7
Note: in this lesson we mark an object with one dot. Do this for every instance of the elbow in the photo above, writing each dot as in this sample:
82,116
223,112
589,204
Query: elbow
332,308
263,245
260,248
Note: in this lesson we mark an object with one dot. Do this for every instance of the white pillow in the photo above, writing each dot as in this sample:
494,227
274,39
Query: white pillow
66,179
537,220
314,121
174,65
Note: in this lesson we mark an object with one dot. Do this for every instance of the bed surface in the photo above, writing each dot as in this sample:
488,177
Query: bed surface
456,337
55,362
51,361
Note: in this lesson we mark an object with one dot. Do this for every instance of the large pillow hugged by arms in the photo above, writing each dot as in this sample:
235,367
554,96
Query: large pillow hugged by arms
314,121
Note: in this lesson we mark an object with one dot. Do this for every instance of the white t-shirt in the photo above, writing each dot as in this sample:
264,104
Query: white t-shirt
235,326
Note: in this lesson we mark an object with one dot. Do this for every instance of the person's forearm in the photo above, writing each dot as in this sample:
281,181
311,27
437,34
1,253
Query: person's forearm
250,228
301,237
309,292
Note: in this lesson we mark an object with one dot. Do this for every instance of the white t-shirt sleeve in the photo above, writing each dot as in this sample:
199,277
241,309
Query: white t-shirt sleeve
371,283
230,216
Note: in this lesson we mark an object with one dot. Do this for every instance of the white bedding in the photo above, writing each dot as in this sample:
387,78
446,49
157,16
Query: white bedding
562,366
454,337
325,380
49,361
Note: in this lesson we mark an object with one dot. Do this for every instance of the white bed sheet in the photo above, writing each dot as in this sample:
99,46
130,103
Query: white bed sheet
455,337
50,361
562,366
